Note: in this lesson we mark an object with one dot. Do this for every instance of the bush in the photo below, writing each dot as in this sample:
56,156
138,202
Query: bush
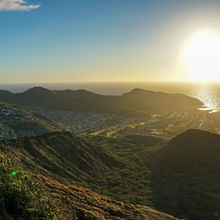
20,195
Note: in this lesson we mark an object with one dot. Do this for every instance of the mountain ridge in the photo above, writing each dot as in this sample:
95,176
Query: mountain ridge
69,157
134,102
60,152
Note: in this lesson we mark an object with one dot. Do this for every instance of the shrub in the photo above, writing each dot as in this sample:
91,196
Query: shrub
20,195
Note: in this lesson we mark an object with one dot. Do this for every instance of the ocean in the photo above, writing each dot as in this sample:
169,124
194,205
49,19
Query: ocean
208,93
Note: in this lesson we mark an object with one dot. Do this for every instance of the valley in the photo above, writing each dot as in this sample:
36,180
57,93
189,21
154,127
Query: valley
122,156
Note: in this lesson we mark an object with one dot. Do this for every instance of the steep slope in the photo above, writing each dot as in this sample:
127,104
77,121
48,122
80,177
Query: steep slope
26,195
70,159
85,204
61,155
16,121
58,159
137,101
186,176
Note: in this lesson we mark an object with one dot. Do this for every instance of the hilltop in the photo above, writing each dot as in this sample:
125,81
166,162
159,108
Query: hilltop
186,175
152,101
138,101
193,147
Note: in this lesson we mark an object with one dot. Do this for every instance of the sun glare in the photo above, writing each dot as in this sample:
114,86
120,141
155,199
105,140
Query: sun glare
202,57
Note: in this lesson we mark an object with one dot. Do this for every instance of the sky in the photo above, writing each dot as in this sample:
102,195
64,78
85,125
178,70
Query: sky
62,41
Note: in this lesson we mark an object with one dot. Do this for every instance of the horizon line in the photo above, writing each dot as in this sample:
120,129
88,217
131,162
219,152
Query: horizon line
104,82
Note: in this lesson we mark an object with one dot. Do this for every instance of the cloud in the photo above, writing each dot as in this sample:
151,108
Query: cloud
17,5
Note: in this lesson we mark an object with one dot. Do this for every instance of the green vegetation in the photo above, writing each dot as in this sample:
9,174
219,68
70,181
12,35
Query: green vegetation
70,159
117,159
186,176
181,179
130,184
165,125
131,181
20,195
24,198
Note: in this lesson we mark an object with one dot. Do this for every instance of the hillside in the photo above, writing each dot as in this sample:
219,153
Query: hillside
26,195
181,178
145,100
61,155
15,121
138,101
186,176
89,205
72,160
58,160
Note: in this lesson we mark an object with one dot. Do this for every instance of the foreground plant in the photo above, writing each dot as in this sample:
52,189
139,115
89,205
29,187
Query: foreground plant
20,195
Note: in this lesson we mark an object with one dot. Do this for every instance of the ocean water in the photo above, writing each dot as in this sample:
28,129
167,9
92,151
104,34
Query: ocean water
209,94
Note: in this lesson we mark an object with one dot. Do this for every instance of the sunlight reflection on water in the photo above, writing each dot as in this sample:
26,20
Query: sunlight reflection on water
209,96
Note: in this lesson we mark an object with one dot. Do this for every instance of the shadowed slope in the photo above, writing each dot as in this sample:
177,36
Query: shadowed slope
186,176
143,100
60,154
72,160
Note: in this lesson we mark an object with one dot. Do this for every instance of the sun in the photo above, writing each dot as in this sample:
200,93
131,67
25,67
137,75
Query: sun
202,56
